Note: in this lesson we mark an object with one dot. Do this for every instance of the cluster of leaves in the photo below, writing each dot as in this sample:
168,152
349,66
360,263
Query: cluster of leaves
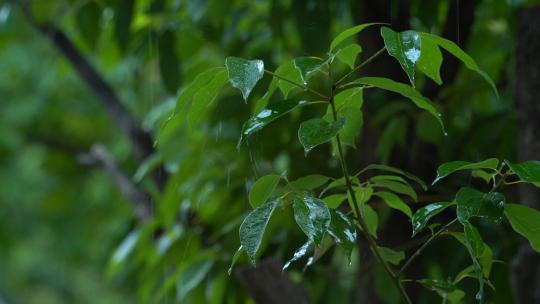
318,201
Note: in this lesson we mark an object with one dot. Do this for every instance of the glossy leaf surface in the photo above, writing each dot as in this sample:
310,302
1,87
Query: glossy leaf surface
262,189
430,61
253,227
298,254
448,168
405,47
525,221
244,74
422,216
317,131
473,203
342,230
307,66
312,216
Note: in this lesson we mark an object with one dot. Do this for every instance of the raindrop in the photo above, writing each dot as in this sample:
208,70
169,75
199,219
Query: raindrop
445,133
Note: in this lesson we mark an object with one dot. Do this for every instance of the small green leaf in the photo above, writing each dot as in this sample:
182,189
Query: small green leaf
244,74
424,214
391,256
262,189
353,125
397,171
485,176
348,33
266,116
405,90
343,231
405,47
317,131
430,61
528,171
453,49
448,168
333,201
309,182
204,97
352,97
396,187
393,201
348,54
473,203
298,254
372,219
440,286
312,216
474,239
253,227
183,102
289,71
307,66
525,221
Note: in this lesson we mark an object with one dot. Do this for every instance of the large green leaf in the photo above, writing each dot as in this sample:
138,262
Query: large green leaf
312,216
455,50
267,115
317,131
525,221
473,203
348,33
342,230
430,61
528,171
405,90
348,54
448,168
307,66
244,74
262,189
253,227
422,216
393,201
298,254
405,47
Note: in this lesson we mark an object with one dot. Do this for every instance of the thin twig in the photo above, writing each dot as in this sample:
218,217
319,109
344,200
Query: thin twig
296,84
370,59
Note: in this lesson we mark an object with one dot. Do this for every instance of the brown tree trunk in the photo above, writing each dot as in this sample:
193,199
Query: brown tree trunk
526,264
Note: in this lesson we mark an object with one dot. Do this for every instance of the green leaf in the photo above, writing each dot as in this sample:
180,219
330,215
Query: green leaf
333,201
169,65
406,91
244,74
191,277
393,201
525,221
204,97
430,61
448,168
473,203
396,187
123,15
474,239
528,171
183,102
307,66
440,286
353,126
397,171
405,47
317,131
348,54
348,33
343,231
352,97
235,258
309,182
289,71
253,227
298,254
485,176
424,214
453,49
262,189
123,251
266,116
371,218
391,256
88,19
312,216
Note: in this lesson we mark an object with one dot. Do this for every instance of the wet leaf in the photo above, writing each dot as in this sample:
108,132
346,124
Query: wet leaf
318,131
235,258
348,54
473,203
430,61
183,102
474,239
525,221
244,74
424,214
405,47
307,66
204,97
448,168
287,70
343,231
267,115
393,201
391,256
312,216
348,33
298,254
253,227
528,171
262,189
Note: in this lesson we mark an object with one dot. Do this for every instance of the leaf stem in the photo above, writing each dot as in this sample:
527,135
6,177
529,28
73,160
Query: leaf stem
421,249
370,59
296,84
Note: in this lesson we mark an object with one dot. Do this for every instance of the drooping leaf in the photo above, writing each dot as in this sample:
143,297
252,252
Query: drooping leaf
244,74
405,47
528,171
397,187
424,214
473,203
525,221
262,189
333,201
474,239
342,230
307,66
397,171
404,90
455,50
317,131
204,97
448,168
309,182
348,33
348,54
298,254
393,201
266,116
430,61
312,216
391,256
253,227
